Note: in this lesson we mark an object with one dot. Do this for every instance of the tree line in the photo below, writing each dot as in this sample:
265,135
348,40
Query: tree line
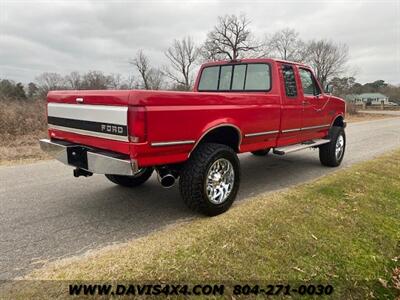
92,80
348,85
231,38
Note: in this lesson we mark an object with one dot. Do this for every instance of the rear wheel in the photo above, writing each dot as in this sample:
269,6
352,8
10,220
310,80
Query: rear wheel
263,152
210,179
141,176
332,154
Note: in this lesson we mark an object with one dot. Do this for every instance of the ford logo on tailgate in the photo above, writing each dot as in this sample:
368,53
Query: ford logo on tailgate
114,129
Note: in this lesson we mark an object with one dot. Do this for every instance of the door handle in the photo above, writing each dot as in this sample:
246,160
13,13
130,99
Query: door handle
305,102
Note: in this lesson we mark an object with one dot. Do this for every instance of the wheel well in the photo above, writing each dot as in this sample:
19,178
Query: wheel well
226,135
339,121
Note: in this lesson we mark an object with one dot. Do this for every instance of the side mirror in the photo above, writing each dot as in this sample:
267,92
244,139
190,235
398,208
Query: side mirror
329,88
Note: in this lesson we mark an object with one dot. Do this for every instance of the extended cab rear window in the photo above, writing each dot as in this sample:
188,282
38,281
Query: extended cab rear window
239,77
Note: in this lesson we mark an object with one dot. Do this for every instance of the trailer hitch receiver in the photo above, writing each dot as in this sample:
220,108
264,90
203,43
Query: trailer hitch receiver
81,172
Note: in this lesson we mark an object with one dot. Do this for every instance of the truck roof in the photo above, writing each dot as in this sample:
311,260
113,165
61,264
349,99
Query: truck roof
251,60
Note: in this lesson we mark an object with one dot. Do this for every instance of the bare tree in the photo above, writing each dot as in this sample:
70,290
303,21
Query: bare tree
286,44
74,80
152,78
130,83
230,38
49,81
115,81
155,79
182,56
95,80
327,58
142,64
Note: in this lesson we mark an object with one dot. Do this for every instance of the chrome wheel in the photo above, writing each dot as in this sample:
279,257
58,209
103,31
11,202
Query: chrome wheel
220,181
339,147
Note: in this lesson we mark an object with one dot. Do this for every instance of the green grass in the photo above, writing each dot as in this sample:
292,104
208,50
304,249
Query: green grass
342,229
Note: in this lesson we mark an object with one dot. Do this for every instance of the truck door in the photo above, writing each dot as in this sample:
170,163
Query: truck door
313,101
292,106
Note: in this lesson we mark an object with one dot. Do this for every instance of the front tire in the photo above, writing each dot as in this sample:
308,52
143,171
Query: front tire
332,153
210,179
131,181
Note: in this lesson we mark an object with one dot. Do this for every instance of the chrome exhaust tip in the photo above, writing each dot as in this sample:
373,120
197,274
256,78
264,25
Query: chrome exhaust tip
167,177
167,180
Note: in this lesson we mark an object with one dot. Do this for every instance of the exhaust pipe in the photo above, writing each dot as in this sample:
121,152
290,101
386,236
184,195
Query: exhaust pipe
167,180
166,177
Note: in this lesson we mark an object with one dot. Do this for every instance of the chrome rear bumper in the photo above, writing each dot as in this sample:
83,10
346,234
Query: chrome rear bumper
89,159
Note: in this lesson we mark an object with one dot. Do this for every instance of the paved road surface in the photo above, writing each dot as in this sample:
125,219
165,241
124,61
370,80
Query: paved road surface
45,213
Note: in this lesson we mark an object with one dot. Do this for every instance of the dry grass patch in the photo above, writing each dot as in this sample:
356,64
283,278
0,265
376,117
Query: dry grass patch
22,149
360,117
22,124
18,118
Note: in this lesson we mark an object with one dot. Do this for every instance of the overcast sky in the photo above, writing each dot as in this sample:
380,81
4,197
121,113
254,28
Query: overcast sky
63,36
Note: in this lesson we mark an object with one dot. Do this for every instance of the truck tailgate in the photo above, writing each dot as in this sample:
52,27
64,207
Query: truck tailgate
93,118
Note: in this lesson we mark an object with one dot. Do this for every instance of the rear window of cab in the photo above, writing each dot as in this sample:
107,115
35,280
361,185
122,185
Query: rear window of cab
254,77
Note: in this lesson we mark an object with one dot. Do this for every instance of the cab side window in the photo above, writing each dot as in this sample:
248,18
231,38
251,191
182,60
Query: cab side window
238,78
289,80
209,79
308,82
257,78
225,78
252,77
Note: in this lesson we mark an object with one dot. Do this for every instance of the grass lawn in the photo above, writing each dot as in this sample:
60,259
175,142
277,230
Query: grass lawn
342,229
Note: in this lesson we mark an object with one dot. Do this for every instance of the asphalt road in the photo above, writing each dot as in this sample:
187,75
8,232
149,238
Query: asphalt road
46,213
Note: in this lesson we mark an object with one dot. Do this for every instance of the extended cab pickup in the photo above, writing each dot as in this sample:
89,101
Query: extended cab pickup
251,105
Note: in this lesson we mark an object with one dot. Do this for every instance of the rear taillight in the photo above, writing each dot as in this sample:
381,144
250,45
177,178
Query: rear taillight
137,124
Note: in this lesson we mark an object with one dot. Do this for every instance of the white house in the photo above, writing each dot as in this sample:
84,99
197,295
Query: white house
368,98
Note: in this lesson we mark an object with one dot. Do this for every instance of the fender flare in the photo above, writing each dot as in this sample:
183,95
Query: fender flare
209,129
337,117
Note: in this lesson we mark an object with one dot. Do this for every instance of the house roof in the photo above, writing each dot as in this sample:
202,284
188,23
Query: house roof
371,95
350,96
364,96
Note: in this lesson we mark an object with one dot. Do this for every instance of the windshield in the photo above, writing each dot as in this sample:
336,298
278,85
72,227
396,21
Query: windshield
239,77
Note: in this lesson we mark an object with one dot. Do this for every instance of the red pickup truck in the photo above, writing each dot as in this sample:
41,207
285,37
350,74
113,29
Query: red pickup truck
251,105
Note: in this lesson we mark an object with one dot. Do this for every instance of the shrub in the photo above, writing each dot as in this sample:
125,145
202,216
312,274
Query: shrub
20,118
351,108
